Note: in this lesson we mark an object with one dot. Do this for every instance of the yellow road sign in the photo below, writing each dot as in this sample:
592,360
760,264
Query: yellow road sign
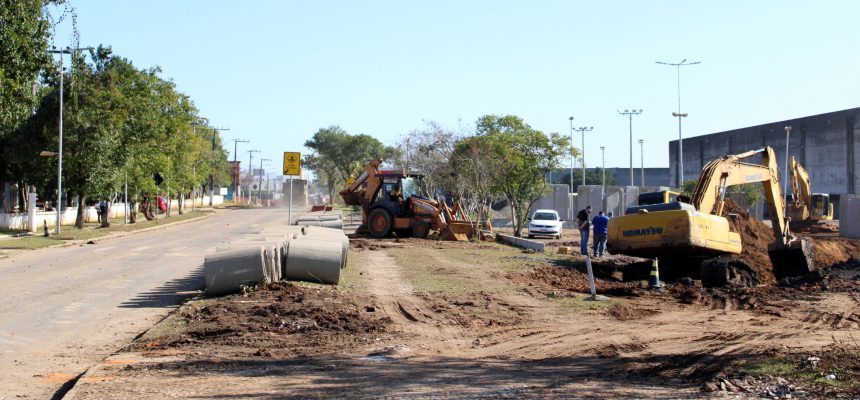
292,163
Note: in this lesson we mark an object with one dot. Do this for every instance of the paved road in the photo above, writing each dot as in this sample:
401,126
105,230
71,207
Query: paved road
65,309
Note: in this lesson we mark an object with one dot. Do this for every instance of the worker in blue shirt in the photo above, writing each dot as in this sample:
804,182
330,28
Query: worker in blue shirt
599,224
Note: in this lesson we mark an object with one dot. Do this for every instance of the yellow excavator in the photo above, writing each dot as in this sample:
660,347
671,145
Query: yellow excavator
806,207
683,236
392,202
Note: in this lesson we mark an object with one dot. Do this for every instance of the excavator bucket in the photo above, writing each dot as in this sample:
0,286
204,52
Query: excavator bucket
458,230
794,259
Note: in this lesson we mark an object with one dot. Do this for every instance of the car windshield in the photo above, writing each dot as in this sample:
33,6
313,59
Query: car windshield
545,216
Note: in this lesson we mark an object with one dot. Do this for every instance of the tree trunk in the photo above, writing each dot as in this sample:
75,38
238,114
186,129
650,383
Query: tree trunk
79,219
181,200
106,215
132,212
515,217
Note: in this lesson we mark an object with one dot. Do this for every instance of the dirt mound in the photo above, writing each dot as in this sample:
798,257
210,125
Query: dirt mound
756,237
834,250
552,278
478,310
280,315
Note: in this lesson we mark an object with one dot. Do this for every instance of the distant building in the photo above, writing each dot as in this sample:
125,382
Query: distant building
653,176
826,144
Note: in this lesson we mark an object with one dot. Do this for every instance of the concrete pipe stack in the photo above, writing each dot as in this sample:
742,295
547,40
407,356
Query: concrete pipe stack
334,221
309,253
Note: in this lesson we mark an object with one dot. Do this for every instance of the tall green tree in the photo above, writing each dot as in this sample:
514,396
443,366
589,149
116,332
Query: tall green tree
334,151
24,36
523,155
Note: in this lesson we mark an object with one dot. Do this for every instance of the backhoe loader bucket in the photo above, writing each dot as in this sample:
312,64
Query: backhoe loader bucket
792,260
458,230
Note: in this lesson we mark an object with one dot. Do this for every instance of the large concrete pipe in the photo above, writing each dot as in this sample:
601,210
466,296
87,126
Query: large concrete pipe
328,234
314,260
273,252
227,271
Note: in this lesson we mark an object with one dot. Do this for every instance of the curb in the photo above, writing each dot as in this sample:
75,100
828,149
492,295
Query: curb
78,242
123,234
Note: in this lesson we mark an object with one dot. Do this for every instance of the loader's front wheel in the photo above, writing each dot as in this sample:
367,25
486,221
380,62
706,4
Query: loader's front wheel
379,223
421,229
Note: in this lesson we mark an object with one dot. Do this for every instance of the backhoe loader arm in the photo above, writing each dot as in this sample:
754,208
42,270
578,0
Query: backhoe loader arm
727,171
371,170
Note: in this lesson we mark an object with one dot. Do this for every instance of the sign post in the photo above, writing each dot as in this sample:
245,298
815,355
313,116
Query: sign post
292,167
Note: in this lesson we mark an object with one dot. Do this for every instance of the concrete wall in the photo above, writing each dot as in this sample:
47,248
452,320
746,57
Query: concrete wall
653,176
828,145
849,223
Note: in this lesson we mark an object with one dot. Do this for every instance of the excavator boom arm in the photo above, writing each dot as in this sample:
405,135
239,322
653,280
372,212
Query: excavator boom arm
727,171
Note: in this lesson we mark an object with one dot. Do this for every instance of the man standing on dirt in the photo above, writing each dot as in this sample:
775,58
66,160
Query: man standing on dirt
584,226
599,224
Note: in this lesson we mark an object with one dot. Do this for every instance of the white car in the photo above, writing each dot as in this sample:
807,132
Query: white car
545,222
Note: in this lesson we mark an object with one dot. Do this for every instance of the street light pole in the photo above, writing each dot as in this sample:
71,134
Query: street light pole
59,207
251,171
786,177
603,165
642,162
680,172
571,154
260,186
582,130
630,114
237,182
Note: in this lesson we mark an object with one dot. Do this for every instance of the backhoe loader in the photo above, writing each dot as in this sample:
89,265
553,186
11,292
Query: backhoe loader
806,207
392,203
683,236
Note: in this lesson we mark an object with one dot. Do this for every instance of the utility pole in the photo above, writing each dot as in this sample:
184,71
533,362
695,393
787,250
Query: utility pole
603,165
642,161
260,186
582,130
251,171
203,122
630,114
571,153
238,180
680,172
59,207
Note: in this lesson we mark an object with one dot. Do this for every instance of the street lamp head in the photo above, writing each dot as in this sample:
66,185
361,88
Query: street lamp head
641,141
602,147
788,128
570,118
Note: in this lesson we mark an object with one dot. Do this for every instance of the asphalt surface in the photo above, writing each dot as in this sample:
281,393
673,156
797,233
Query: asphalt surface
65,309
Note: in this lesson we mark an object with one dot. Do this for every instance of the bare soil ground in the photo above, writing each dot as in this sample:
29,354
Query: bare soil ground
420,318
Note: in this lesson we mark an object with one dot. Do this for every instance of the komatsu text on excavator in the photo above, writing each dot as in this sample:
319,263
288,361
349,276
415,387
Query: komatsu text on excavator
685,235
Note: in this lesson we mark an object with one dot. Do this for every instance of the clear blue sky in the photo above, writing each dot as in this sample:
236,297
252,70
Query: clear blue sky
276,71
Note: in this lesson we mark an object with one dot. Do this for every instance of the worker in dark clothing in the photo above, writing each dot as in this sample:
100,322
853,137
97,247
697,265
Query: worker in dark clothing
599,224
584,227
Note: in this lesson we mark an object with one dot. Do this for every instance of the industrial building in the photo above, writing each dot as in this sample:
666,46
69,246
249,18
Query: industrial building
826,144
